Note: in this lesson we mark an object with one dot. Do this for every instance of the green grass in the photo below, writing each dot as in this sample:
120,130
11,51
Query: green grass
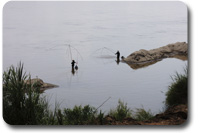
79,115
178,90
142,115
121,112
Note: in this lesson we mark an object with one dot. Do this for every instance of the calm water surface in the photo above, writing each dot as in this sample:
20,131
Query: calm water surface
37,33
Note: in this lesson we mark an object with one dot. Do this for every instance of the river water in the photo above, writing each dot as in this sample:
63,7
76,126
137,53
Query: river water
39,34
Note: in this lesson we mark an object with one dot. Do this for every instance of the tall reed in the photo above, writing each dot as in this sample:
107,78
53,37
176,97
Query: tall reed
21,101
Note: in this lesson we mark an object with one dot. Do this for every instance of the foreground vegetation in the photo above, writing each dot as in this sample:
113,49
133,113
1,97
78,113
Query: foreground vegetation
23,105
178,90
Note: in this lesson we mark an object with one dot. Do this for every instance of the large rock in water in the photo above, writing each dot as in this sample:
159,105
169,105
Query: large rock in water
144,56
39,82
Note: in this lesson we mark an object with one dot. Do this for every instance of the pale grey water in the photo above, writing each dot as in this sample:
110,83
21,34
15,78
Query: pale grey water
36,33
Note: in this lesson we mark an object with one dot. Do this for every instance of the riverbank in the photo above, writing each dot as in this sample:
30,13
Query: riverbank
142,57
175,115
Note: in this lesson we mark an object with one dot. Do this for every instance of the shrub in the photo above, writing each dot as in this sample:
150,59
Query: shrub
101,118
121,111
79,115
178,90
142,115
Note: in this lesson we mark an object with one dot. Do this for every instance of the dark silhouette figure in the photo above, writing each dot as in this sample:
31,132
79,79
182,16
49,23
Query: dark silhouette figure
73,71
73,63
118,55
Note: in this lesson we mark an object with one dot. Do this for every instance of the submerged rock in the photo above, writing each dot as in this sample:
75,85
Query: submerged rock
170,50
39,82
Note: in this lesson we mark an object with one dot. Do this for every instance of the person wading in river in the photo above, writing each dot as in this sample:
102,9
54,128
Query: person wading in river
118,54
73,63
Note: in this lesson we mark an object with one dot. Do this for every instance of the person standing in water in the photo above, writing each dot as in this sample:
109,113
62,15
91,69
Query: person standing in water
118,54
73,63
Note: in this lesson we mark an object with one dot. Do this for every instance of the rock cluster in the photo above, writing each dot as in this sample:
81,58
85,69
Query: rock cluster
41,83
144,56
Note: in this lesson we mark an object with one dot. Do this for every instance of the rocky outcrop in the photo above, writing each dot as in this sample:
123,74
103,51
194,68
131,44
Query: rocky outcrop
144,56
39,82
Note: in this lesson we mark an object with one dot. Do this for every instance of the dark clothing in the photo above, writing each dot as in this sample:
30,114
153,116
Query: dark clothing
73,63
118,54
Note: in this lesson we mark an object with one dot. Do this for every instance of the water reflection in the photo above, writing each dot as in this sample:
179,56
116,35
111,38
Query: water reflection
141,65
73,71
117,61
146,64
181,57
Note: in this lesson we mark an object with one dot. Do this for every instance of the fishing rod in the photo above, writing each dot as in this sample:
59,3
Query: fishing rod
96,51
103,103
109,49
77,52
70,50
59,45
102,49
